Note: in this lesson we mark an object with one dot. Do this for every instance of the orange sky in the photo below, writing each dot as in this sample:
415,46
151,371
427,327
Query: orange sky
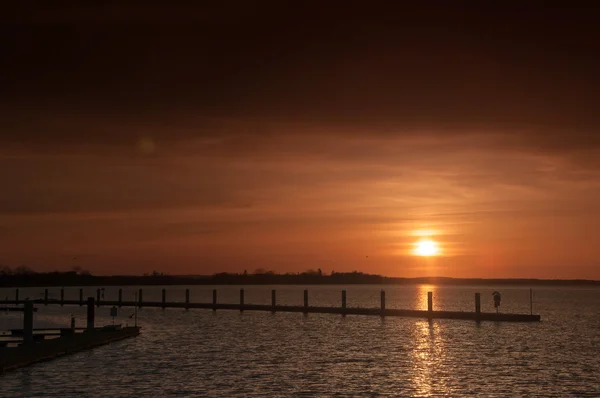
324,140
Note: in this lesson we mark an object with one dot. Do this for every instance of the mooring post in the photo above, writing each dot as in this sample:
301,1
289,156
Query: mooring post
17,296
477,305
214,299
305,301
531,301
62,297
343,299
382,302
241,299
97,297
91,312
187,299
273,299
28,322
164,298
80,297
45,296
120,297
430,303
140,300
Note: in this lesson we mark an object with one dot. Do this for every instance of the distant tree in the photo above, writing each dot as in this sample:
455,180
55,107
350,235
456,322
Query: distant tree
245,272
260,271
23,270
5,270
320,272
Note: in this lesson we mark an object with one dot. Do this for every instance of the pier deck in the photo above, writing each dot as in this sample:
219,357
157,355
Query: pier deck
475,316
27,354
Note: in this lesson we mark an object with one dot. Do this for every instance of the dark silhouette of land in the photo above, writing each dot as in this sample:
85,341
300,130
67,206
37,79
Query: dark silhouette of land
22,276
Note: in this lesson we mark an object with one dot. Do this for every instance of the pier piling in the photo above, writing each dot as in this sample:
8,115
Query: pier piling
91,312
305,301
214,299
28,322
343,299
140,299
80,297
120,297
382,302
429,303
164,298
273,299
187,299
478,305
45,296
241,300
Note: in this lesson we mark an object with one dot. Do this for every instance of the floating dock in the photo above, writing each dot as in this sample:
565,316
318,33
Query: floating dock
477,315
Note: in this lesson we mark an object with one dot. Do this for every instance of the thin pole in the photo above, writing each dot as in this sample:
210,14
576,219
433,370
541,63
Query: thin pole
135,308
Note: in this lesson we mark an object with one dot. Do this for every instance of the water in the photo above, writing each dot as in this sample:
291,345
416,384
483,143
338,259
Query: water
228,353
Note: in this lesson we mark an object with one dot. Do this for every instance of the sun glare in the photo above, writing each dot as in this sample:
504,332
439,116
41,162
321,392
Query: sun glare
426,248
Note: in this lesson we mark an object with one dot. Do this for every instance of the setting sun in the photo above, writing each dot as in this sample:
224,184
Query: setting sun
427,248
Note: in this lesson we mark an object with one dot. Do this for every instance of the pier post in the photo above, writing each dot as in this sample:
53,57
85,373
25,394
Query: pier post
62,297
241,299
214,299
45,296
98,297
28,322
305,301
120,297
164,298
140,300
430,303
187,299
90,313
343,300
80,297
382,302
17,296
477,305
273,299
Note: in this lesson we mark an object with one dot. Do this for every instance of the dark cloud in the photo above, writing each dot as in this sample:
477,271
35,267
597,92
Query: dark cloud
101,74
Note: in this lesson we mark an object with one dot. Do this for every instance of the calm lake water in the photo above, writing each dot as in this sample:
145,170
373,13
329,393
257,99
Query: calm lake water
228,353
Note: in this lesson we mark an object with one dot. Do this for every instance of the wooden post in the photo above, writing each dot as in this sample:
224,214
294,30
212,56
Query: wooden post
45,296
531,300
17,296
305,300
214,299
120,297
429,302
90,313
273,299
382,302
343,299
97,297
164,298
187,299
28,322
478,305
62,297
140,300
80,297
241,299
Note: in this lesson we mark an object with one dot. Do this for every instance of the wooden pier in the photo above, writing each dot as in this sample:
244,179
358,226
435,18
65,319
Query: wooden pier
30,346
430,313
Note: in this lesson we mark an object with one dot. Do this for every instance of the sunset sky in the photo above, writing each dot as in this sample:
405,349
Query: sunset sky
328,135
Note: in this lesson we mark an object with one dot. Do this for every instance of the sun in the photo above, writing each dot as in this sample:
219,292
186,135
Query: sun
426,248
